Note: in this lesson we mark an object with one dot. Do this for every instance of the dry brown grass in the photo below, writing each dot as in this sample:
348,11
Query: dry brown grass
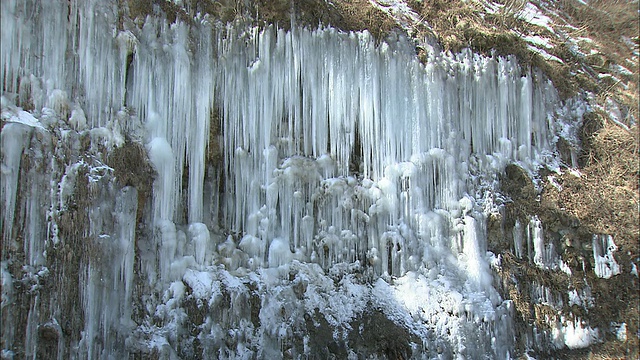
606,195
359,15
609,23
346,15
604,20
605,199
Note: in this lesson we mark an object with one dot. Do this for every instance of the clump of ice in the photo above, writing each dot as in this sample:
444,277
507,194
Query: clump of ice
279,252
7,285
78,120
620,331
200,239
531,14
59,102
605,264
574,334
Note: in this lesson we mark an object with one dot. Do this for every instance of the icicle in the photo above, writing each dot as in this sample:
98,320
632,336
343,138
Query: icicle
99,60
162,157
168,246
535,242
200,238
474,249
8,324
518,240
125,212
198,129
15,138
605,265
37,202
380,119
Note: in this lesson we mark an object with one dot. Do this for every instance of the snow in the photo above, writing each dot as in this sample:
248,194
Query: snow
554,183
622,70
545,55
492,7
564,267
538,41
608,76
401,12
613,110
20,116
574,299
531,14
201,283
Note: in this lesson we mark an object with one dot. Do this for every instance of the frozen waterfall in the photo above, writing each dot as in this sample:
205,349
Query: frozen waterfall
301,175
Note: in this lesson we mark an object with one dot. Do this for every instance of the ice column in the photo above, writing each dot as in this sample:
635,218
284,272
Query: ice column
125,227
605,265
107,278
15,139
99,59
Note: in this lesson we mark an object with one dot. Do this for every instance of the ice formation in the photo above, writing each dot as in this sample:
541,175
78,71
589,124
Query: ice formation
351,177
603,249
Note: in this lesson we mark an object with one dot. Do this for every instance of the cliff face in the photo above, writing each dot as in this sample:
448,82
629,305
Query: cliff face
205,179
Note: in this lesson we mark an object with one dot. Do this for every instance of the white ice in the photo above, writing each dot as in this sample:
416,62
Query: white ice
605,262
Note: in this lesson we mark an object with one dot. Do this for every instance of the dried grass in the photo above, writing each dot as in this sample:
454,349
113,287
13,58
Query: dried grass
214,155
132,167
347,15
607,22
605,199
358,15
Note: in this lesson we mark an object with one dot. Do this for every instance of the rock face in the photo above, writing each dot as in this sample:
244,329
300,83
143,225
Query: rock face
178,187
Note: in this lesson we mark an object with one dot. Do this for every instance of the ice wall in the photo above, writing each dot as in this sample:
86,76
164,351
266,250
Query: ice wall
366,139
338,152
